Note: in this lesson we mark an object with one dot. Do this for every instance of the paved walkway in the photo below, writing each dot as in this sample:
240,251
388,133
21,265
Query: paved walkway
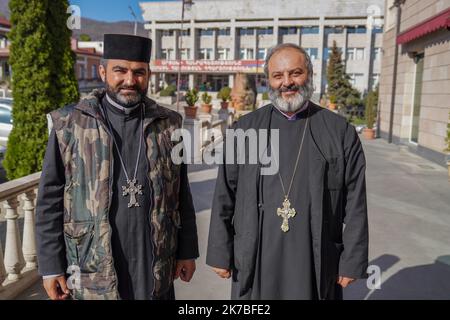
409,221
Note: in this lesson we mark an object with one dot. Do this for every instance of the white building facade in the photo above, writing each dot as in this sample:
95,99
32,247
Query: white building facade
223,37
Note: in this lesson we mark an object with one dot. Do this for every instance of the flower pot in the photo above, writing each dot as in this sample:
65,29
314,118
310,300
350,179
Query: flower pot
190,112
206,108
224,104
369,134
332,106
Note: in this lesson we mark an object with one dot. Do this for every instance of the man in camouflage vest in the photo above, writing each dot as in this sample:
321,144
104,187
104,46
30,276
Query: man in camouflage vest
115,217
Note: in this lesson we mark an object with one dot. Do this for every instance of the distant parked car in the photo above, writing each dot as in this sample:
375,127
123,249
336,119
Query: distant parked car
5,120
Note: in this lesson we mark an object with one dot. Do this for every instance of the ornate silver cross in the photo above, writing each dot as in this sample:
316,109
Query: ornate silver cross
286,212
132,189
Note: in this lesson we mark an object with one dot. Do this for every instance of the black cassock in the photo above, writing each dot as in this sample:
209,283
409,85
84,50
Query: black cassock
284,267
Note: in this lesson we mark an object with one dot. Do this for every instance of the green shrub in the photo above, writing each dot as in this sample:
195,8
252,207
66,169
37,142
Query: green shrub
168,91
265,96
206,98
191,97
224,94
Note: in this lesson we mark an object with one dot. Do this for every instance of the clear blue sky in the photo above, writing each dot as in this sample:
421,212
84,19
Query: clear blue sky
111,10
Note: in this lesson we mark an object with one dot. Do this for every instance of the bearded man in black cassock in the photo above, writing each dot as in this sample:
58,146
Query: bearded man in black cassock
282,235
115,217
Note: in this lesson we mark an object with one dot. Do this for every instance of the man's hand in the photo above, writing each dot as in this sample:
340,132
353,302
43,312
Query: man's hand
223,273
344,281
185,269
56,288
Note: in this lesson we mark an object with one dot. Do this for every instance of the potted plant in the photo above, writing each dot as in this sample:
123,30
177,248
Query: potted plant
191,98
206,106
225,95
371,102
332,104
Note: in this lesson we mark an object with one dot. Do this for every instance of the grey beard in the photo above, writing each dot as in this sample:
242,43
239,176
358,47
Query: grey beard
126,101
293,104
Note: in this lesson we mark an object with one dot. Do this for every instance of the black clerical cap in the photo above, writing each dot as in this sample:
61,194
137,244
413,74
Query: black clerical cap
127,47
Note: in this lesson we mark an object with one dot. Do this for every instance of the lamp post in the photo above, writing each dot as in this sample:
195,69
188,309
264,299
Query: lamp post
135,19
186,4
398,4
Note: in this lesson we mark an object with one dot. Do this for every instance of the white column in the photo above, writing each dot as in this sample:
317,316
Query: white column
176,35
14,261
276,34
233,35
29,242
191,80
231,80
194,53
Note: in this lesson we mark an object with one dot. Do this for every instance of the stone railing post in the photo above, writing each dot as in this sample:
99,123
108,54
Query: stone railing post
2,268
29,242
14,261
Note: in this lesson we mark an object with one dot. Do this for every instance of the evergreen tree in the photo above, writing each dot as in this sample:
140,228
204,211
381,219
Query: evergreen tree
42,65
339,85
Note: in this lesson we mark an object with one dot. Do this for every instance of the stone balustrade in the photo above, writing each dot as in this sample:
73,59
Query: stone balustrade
18,262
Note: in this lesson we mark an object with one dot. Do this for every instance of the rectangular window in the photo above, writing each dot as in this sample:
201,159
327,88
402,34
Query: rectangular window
356,29
262,52
94,71
376,53
224,32
331,30
186,32
312,53
223,53
246,31
167,33
206,54
265,31
246,54
327,52
359,54
288,30
310,30
185,54
355,53
206,32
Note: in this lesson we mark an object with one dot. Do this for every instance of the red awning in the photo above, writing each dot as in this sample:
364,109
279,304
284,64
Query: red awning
439,21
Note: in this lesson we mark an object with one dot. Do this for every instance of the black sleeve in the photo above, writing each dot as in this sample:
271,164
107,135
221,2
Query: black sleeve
354,258
50,212
187,235
221,231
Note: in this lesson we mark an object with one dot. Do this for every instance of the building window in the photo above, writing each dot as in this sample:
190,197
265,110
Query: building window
206,54
167,33
185,54
264,31
376,53
355,53
330,30
246,31
327,52
310,30
375,79
167,54
246,54
262,53
377,30
224,32
186,32
356,29
82,72
224,53
356,79
288,30
206,32
312,53
94,71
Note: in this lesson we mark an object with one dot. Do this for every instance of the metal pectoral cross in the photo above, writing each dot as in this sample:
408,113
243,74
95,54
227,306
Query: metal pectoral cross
286,212
132,189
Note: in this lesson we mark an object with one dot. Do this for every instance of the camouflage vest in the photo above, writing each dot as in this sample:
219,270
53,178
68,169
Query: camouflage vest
86,150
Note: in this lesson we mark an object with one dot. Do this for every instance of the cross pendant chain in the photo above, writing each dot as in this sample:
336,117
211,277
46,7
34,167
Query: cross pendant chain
132,189
286,213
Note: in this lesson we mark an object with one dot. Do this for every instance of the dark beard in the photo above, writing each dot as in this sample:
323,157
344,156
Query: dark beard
126,100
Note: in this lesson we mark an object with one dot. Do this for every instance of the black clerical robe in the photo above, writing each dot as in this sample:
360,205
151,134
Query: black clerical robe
334,193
